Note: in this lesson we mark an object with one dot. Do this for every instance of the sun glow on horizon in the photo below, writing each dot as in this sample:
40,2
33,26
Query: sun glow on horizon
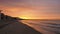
24,17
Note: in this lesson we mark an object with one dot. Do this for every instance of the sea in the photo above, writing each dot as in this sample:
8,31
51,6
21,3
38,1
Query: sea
44,26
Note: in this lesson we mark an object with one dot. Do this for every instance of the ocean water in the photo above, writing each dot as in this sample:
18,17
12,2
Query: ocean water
44,26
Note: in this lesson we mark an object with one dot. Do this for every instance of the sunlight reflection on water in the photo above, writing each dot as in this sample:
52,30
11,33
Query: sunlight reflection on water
44,26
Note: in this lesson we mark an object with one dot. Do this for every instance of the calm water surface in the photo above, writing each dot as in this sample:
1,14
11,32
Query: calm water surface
44,26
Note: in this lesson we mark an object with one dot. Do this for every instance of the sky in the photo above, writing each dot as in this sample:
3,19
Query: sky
31,9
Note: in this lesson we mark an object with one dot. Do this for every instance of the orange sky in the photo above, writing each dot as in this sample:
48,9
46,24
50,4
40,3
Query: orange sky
31,9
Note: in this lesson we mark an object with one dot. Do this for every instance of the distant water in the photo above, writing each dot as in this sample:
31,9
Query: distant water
44,26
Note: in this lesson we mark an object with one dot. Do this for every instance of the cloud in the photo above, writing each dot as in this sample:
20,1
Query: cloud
46,8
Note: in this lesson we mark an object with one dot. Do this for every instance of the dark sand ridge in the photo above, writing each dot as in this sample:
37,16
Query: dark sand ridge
11,25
